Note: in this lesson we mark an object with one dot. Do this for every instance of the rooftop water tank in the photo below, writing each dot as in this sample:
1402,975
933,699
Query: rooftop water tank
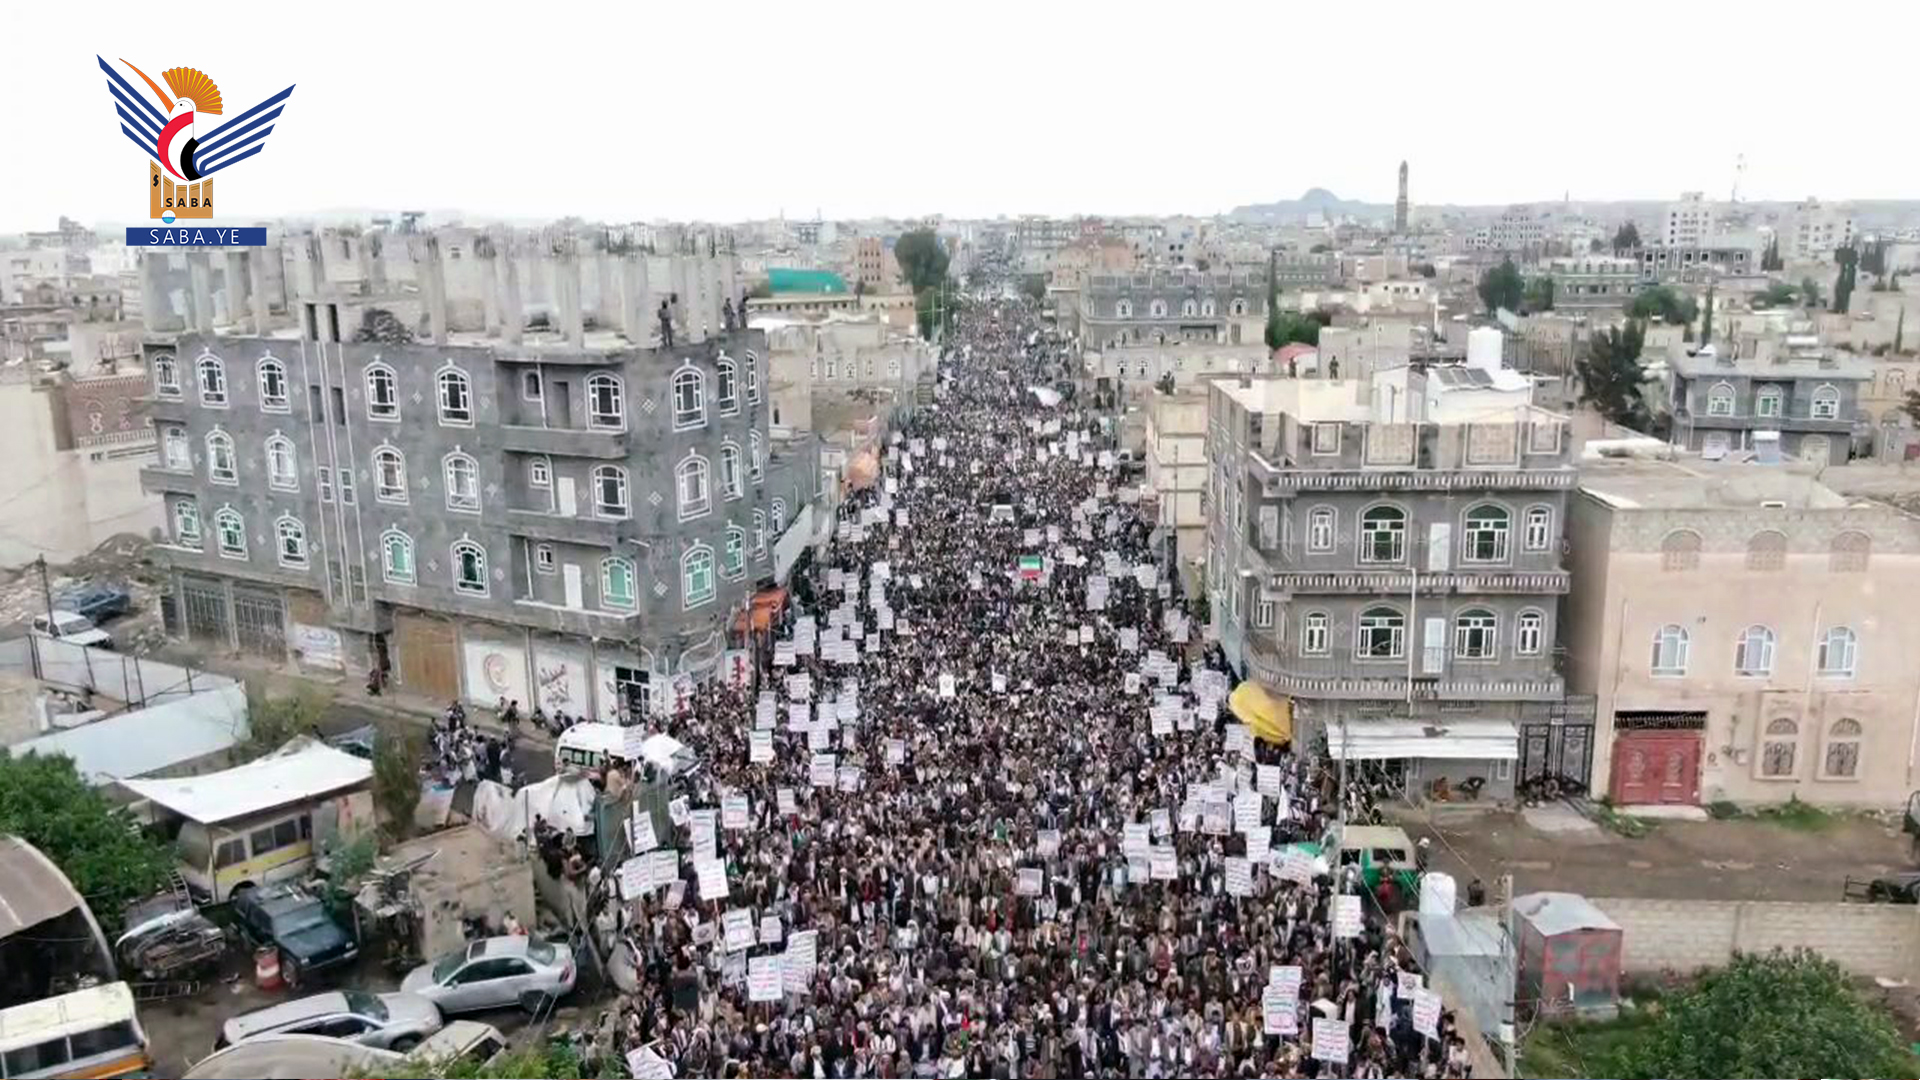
1484,348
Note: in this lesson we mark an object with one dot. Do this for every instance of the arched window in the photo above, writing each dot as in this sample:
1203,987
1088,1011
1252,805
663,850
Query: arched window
456,397
1670,650
1320,529
469,567
293,542
221,468
230,533
1485,539
735,564
752,371
1238,307
610,491
1157,309
1474,634
213,381
1767,550
1753,653
396,556
173,448
1680,550
731,483
1538,535
689,399
1383,535
166,376
1842,758
273,386
779,517
1826,403
1206,308
1315,639
1768,401
1380,634
1123,309
1720,400
186,523
389,475
383,393
695,496
606,402
616,583
756,456
1896,383
1529,634
1839,653
1779,748
1849,552
696,576
759,533
724,385
463,481
282,473
1190,308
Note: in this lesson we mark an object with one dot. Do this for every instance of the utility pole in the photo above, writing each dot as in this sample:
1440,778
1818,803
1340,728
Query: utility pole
1509,1039
46,591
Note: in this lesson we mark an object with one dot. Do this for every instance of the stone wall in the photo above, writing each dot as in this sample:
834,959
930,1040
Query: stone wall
1682,935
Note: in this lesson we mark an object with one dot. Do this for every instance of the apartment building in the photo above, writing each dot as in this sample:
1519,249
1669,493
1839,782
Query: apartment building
1798,400
1159,307
1392,563
1687,223
1747,634
564,517
1592,282
1813,230
1176,454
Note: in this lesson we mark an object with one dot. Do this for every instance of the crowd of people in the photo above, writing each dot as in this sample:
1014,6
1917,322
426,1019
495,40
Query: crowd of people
996,814
458,752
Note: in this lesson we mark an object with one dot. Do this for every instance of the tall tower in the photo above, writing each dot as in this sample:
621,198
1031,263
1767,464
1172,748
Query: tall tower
1400,204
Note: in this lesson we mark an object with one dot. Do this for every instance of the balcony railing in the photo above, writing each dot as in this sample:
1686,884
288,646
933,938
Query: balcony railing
1276,481
564,442
160,479
1341,679
546,525
1492,582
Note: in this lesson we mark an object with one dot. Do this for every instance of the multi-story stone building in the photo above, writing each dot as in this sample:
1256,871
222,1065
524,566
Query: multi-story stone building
1801,399
1295,270
1697,262
568,518
1814,229
1162,306
1747,634
1592,282
1398,578
1687,223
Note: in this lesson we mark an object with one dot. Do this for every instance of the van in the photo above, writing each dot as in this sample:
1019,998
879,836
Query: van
589,746
73,628
1382,852
91,1032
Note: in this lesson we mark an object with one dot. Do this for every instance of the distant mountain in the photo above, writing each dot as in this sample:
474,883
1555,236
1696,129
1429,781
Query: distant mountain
1315,201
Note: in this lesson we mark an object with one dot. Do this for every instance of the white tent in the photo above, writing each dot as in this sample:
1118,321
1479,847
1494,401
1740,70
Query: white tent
566,802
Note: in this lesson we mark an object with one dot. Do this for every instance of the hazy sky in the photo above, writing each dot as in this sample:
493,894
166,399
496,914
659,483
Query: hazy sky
722,111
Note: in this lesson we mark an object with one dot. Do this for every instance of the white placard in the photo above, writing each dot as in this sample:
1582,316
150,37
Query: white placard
765,712
783,654
760,747
1409,982
850,778
1239,876
1426,1013
784,801
770,930
713,879
1047,841
765,980
1267,780
820,771
1296,866
663,868
1132,682
800,687
1032,880
706,833
896,751
734,812
1260,845
946,686
1246,811
1285,978
799,961
1330,1039
640,830
644,1064
1137,840
633,878
999,683
1164,863
1346,915
799,716
1279,1012
737,929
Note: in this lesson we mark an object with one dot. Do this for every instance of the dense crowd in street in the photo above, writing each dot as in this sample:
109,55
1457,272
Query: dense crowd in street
998,819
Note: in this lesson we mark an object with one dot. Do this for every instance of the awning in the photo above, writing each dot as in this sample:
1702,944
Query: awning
32,889
303,769
1271,718
1395,740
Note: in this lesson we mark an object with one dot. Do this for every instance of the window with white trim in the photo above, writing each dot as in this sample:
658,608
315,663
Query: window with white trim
469,567
689,399
1841,757
1753,652
383,393
389,475
213,381
1539,528
346,487
606,402
1768,402
1779,748
779,517
725,387
543,560
1529,634
230,532
616,583
282,472
1825,404
1720,400
751,369
292,548
1263,611
1485,537
396,557
1474,634
166,376
539,472
696,576
186,523
1839,653
532,388
730,483
323,479
1383,535
1314,636
173,448
1380,634
462,481
273,386
610,498
736,552
756,456
1670,650
759,533
695,496
221,468
1320,529
456,397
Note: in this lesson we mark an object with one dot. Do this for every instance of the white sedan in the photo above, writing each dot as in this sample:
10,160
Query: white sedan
495,973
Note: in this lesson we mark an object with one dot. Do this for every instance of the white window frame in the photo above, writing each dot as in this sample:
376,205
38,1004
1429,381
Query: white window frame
540,472
734,565
1769,738
1720,399
693,487
1854,735
750,369
166,376
221,519
1537,530
1395,529
1825,403
297,558
276,479
1838,654
1392,621
399,495
1530,634
345,478
607,597
388,540
1769,402
689,387
608,419
378,376
1501,534
698,555
1322,528
1326,438
756,457
618,508
176,452
732,482
1671,644
726,385
759,534
1263,612
1745,663
1476,627
186,524
544,561
461,584
451,382
269,402
1316,634
533,385
456,463
213,392
217,442
323,481
779,517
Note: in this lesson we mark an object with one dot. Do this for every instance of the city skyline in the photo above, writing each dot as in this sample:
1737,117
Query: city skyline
669,133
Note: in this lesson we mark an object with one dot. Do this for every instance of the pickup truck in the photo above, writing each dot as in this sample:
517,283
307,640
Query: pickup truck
73,628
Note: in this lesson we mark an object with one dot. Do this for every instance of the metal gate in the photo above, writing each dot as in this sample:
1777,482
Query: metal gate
261,620
206,611
1556,753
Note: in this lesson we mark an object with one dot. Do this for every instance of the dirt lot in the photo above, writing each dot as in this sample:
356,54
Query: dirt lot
1677,860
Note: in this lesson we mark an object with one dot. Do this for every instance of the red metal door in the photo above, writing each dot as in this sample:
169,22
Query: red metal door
1656,767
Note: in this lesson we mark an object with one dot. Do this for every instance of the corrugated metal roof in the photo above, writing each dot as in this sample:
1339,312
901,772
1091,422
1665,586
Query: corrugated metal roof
32,889
302,769
138,743
785,280
1392,740
1469,934
1554,913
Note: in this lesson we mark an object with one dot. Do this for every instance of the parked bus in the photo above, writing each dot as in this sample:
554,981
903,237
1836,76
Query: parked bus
87,1033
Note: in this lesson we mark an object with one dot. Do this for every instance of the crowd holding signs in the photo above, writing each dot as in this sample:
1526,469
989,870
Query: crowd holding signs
985,814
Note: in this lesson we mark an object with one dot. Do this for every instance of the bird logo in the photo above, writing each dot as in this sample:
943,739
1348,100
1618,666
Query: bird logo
184,159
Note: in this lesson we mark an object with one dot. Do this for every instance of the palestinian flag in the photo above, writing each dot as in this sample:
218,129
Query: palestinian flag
1031,566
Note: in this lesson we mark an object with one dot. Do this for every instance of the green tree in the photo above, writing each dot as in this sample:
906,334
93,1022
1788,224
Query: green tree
1778,294
1626,237
1274,340
1874,258
1319,249
397,755
1899,328
921,259
1770,259
1288,327
1706,317
1612,379
1809,292
1912,405
1539,294
1665,303
1035,286
1775,1015
1502,287
1595,246
93,841
271,722
536,1062
1843,282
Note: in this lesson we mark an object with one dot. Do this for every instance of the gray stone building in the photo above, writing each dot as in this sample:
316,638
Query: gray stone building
1801,399
567,518
1159,307
1399,582
1592,282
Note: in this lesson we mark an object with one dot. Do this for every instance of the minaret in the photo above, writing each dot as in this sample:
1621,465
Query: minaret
1400,204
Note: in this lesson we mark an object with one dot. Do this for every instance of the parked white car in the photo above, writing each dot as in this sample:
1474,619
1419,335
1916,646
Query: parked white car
495,973
72,627
397,1022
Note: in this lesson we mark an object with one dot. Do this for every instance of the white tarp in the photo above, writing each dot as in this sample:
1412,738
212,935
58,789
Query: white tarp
302,769
566,802
1392,740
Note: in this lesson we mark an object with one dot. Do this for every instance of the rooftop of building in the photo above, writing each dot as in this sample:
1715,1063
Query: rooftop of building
1690,482
787,280
1805,359
1318,400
